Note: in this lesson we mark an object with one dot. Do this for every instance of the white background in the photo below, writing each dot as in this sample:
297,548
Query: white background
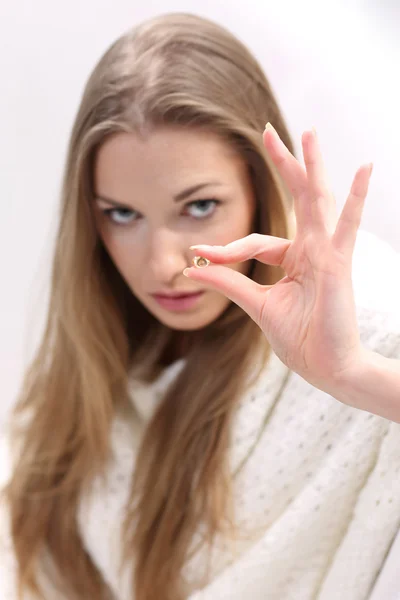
333,65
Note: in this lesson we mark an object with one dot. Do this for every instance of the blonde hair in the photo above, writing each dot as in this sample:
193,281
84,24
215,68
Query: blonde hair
185,71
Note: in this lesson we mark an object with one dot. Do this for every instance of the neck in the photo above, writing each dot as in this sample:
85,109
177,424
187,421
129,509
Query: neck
177,347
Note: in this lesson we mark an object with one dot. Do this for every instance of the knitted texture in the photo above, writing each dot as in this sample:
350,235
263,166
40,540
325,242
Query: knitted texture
316,483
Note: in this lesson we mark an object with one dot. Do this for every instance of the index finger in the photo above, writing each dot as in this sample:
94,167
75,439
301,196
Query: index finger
264,248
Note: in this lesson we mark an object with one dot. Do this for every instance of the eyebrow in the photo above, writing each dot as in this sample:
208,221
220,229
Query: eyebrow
193,189
113,202
177,198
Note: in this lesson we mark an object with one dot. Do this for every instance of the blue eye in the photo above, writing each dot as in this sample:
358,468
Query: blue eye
120,216
200,209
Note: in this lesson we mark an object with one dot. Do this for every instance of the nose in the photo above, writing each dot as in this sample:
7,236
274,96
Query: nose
168,256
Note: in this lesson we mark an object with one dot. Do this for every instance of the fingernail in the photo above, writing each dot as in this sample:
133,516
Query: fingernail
195,247
186,272
269,127
371,167
314,131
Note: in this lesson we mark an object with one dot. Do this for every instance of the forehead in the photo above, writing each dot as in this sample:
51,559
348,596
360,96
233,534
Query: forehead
169,157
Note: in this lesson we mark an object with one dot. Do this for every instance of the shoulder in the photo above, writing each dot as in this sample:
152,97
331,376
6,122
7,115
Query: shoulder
376,284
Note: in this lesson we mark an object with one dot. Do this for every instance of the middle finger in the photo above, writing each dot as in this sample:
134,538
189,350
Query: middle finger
291,171
321,198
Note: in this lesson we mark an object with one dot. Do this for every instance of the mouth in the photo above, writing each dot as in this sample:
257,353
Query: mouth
178,301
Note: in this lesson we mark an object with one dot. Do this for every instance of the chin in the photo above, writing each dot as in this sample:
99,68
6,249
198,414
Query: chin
191,320
188,323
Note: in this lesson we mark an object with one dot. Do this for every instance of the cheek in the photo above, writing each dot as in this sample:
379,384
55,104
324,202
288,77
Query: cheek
240,228
241,222
126,259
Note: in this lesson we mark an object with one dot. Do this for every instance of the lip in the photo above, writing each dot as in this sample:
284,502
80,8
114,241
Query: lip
178,301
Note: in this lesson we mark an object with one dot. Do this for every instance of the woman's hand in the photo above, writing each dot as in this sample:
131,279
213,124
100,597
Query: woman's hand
309,316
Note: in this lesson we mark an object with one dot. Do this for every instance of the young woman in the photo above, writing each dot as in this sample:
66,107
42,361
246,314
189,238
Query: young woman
164,447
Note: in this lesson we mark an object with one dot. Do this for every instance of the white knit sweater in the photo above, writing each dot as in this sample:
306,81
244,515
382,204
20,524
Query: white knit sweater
316,483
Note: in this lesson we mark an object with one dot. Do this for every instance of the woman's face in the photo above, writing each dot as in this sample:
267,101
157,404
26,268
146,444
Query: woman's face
157,196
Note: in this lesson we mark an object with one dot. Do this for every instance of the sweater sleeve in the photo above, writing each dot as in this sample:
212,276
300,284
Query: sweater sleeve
376,282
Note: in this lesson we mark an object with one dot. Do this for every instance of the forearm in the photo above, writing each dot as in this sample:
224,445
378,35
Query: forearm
373,385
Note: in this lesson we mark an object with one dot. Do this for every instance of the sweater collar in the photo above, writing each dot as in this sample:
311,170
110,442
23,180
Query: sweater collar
253,411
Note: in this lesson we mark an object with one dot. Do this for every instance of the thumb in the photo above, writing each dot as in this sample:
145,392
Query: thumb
245,292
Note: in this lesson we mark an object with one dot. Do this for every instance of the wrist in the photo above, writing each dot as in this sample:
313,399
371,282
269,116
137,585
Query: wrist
371,383
349,382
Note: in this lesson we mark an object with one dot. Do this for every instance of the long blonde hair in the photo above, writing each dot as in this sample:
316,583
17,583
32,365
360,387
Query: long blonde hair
175,69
